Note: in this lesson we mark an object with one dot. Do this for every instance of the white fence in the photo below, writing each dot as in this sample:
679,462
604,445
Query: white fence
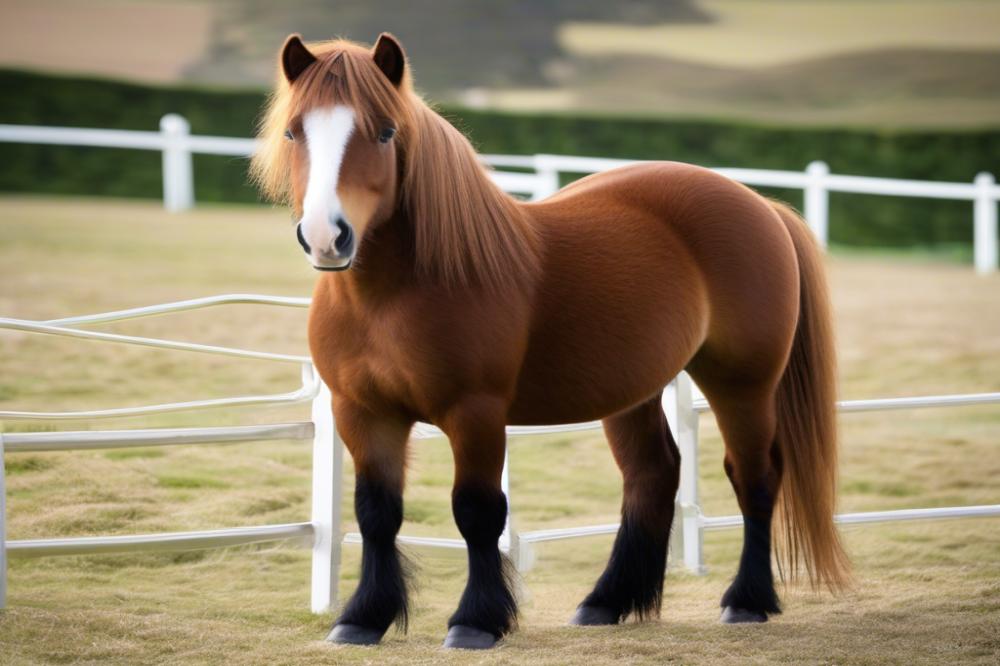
682,403
177,144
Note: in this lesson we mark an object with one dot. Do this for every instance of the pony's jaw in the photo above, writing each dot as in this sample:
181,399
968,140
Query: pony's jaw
327,133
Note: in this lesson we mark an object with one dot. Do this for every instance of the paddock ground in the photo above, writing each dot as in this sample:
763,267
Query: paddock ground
907,325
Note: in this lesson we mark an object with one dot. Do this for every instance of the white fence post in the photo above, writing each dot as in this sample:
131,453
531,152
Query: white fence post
669,403
687,535
816,204
327,489
509,540
985,224
3,531
548,174
178,176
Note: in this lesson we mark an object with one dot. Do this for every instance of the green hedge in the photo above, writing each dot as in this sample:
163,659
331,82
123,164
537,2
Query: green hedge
29,98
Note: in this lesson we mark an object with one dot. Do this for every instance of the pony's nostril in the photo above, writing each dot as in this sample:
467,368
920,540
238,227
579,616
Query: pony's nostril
345,240
302,239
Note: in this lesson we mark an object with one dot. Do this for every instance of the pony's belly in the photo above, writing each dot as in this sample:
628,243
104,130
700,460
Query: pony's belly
577,397
615,321
593,358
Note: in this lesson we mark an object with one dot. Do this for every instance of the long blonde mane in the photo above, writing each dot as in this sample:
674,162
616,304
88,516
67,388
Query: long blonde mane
467,231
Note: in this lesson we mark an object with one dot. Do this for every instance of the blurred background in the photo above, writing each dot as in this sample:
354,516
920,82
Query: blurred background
897,88
887,63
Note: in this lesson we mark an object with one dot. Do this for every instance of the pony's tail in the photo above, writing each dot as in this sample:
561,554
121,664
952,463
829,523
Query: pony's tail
805,535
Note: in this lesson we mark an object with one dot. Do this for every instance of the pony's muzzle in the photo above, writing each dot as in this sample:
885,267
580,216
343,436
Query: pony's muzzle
339,255
302,239
344,245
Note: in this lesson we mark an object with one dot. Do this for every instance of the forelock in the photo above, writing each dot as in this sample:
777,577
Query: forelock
345,74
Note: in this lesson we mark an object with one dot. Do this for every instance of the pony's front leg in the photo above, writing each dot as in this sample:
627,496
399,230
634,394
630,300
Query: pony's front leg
488,609
378,446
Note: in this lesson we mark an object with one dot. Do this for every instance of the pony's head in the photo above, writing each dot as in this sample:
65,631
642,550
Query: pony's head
348,144
329,142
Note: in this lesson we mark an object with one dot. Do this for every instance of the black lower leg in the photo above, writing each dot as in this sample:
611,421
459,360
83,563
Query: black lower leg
381,595
752,597
488,603
632,583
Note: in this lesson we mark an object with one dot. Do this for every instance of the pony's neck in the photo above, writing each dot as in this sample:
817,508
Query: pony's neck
384,265
466,230
452,228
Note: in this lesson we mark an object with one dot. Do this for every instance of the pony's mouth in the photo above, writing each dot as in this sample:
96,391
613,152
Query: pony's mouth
330,269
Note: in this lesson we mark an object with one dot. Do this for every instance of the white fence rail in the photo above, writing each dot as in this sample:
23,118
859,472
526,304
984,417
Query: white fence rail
681,402
178,145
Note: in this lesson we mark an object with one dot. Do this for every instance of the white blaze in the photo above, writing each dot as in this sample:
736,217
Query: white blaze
326,133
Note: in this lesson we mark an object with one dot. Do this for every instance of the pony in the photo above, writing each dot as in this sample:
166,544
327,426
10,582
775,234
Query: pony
443,299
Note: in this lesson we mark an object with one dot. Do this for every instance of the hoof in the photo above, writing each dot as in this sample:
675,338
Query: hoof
353,634
590,616
469,638
732,615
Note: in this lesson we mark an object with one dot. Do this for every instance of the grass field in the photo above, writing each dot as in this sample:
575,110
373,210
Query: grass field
925,593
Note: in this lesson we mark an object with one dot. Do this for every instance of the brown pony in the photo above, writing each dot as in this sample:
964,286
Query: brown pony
471,310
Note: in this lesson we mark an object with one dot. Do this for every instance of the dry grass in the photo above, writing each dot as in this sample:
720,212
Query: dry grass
926,593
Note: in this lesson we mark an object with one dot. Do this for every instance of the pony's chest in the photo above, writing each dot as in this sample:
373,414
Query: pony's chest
418,353
366,359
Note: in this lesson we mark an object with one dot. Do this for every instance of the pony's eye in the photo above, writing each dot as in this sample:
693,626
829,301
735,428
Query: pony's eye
289,135
386,135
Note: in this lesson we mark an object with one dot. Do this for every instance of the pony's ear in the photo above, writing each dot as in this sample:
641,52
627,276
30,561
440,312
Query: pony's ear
295,57
388,55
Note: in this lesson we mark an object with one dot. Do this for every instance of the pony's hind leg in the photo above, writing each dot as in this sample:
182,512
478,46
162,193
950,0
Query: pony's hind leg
753,465
488,608
649,461
378,446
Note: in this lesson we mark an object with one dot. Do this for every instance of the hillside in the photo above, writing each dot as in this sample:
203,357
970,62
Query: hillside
901,63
